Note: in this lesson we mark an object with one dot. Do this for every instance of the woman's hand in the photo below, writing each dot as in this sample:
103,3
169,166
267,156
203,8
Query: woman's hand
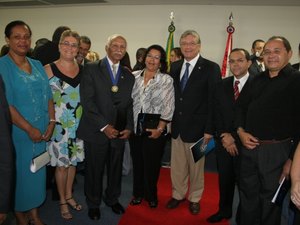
34,134
48,134
155,133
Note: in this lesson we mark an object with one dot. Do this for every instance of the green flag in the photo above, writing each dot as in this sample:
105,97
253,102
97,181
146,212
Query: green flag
170,43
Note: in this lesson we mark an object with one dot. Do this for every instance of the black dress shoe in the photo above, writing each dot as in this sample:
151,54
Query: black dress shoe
136,201
153,204
173,203
117,208
94,213
217,217
194,208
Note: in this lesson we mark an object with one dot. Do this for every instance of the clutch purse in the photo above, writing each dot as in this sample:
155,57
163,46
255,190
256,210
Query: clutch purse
39,161
146,121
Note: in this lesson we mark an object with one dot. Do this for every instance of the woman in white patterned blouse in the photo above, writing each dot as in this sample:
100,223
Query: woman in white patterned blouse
152,93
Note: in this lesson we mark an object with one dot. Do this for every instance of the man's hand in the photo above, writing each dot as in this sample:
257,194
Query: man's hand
247,139
286,170
2,217
206,138
227,140
111,132
124,134
232,150
295,193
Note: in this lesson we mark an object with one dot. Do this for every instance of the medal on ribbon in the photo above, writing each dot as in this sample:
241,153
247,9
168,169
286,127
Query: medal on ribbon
114,79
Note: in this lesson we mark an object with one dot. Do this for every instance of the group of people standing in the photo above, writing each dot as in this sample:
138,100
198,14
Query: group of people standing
87,112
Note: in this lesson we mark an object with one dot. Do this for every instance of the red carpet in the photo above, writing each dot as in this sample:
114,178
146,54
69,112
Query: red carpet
143,215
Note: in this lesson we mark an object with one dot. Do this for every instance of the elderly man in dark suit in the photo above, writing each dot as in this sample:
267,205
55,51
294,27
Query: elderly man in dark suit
194,82
227,95
6,157
106,122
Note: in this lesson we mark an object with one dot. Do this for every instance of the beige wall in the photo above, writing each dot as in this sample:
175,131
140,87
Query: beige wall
146,25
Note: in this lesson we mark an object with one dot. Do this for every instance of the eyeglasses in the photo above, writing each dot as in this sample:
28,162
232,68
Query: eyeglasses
68,44
191,44
157,57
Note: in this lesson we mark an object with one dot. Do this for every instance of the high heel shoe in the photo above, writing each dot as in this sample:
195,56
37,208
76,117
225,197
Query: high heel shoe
65,214
73,204
136,201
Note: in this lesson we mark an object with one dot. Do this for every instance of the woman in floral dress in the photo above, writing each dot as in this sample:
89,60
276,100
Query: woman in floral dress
65,149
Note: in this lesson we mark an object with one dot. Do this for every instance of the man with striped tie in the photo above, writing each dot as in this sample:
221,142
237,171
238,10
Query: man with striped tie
227,143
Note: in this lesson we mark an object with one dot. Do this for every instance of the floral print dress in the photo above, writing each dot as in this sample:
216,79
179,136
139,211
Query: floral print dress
64,147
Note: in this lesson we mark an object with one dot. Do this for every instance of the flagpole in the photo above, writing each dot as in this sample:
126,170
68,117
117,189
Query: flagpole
225,65
170,41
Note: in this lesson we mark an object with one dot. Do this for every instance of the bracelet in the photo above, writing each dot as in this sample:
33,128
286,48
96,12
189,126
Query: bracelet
52,120
160,129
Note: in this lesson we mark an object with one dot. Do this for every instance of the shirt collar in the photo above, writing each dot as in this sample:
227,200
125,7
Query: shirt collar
193,61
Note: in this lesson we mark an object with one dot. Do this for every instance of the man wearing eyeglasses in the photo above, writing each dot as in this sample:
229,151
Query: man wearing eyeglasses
106,122
268,126
194,81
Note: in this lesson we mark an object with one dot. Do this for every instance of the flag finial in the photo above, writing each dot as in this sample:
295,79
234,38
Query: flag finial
230,19
172,16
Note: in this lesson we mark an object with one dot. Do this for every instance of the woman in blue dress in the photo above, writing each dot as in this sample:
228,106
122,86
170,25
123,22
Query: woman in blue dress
32,111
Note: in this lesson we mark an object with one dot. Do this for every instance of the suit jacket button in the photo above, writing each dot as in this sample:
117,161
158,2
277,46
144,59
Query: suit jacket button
180,99
180,113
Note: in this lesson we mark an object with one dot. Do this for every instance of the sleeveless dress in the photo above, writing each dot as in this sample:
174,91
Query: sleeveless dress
29,94
64,147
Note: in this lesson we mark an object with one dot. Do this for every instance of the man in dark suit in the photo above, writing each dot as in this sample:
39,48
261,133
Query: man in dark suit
257,65
267,121
106,122
84,47
6,157
227,151
194,82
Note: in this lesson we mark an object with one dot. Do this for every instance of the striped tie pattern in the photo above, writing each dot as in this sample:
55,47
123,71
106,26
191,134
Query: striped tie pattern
236,89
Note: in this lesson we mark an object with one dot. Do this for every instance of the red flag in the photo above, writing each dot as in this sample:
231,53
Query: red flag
228,48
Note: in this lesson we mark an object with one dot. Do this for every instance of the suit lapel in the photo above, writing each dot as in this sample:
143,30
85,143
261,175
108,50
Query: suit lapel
177,71
228,87
104,73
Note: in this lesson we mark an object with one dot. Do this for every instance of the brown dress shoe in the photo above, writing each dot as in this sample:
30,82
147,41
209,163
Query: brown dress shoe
173,203
194,208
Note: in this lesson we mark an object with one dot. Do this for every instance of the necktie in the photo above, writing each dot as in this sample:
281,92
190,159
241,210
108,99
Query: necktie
236,89
260,67
114,70
185,77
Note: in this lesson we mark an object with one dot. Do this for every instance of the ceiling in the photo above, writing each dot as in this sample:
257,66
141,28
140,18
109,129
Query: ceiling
52,3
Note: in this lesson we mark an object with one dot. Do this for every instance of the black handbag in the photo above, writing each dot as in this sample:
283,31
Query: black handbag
146,121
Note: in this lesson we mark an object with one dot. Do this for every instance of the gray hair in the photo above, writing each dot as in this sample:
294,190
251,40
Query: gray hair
193,33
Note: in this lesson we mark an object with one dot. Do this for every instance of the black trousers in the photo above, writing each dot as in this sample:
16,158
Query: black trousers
259,178
228,169
146,156
96,158
297,217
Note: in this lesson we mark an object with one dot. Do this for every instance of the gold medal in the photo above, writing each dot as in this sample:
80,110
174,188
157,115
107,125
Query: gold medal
114,88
